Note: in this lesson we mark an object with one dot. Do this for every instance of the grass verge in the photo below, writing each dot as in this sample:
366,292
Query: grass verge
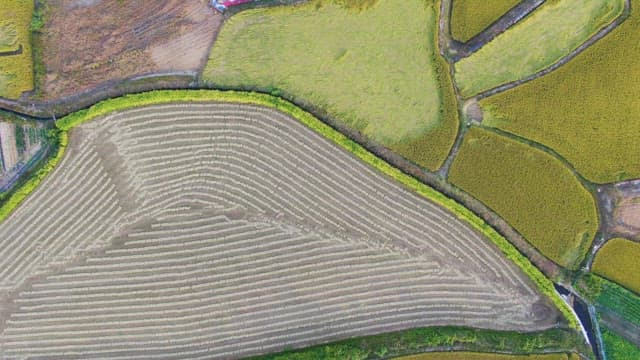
16,71
532,190
618,261
413,341
484,356
587,110
470,17
379,76
537,42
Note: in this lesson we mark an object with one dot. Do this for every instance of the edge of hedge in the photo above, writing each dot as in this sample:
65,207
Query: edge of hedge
167,96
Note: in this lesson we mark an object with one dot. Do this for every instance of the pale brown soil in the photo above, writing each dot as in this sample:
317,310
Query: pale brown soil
89,42
620,204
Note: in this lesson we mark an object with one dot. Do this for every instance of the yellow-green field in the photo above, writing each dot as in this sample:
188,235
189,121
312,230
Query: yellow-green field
532,190
587,110
16,71
543,38
618,261
365,68
469,17
460,355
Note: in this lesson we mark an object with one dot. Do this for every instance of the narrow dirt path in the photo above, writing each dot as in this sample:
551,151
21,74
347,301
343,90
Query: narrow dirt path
592,40
621,326
510,18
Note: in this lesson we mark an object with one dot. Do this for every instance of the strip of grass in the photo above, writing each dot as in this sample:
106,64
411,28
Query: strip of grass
617,347
611,296
377,75
470,17
16,71
618,261
412,341
532,190
540,40
459,355
587,110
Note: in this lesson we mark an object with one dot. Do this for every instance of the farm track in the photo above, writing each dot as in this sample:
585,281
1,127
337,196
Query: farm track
223,231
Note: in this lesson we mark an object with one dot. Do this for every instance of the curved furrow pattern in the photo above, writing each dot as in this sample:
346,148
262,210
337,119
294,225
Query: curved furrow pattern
225,230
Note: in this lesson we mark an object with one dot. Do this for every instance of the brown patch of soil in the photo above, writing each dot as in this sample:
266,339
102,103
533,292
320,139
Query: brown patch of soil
621,204
88,42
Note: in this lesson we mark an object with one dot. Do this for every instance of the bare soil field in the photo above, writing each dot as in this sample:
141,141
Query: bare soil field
88,42
620,205
222,231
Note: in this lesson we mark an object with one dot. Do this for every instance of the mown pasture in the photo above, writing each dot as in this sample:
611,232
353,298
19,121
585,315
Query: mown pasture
470,17
544,37
241,227
618,348
16,70
363,68
460,355
532,190
587,110
618,260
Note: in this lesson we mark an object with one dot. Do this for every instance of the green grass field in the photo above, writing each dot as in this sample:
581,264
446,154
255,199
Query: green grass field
532,190
469,17
460,355
618,261
617,347
16,71
587,110
544,37
608,295
378,75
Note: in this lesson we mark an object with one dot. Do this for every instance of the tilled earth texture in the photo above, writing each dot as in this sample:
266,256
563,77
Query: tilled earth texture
88,42
222,231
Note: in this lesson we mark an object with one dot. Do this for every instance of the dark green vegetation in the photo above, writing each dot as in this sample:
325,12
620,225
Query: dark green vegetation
609,296
458,355
413,341
618,348
587,110
531,190
377,75
618,260
470,17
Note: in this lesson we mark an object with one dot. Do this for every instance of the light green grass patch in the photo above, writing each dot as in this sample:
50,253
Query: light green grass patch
378,75
8,36
546,36
618,261
470,17
16,71
587,110
532,190
464,355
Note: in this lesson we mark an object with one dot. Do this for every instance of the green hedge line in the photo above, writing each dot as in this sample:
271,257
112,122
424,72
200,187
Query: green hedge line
167,96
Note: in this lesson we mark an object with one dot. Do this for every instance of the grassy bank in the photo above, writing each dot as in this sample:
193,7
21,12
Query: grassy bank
470,17
533,191
617,260
485,356
587,110
16,71
413,341
540,40
375,74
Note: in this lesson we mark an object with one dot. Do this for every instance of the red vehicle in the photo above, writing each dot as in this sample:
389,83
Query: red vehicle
222,5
